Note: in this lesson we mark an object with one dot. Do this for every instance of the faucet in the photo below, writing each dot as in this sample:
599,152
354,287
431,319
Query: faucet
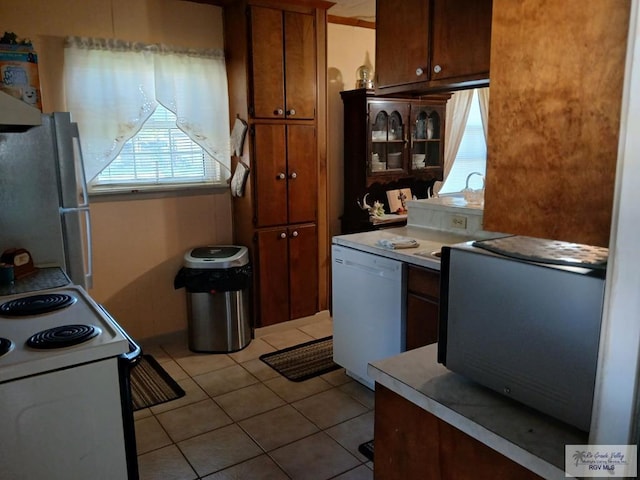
466,186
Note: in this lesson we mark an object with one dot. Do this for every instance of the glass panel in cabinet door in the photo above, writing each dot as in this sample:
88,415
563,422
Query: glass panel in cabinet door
378,163
379,127
395,144
419,140
396,128
433,142
379,133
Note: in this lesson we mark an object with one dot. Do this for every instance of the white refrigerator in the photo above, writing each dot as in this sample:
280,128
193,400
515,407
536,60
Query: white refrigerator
44,205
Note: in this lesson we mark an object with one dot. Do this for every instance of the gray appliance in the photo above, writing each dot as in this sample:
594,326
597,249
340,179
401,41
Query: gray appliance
44,205
522,316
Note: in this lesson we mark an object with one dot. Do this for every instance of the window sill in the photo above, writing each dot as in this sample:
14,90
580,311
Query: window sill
127,193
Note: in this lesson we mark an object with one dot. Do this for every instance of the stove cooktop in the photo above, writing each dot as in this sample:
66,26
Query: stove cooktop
79,314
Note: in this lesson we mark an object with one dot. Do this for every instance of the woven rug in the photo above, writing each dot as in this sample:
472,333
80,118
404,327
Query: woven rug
303,361
151,384
366,449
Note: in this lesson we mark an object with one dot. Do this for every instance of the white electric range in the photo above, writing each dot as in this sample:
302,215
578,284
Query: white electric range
65,400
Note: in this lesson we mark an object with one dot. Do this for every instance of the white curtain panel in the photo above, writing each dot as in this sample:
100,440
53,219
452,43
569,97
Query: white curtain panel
112,87
109,89
483,99
193,85
458,108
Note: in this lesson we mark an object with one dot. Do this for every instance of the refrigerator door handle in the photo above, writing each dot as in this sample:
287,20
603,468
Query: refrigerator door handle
80,160
88,274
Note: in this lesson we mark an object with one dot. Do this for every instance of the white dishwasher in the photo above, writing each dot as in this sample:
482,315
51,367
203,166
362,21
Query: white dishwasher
369,312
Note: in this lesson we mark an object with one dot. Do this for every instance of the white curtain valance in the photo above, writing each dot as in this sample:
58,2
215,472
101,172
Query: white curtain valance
113,86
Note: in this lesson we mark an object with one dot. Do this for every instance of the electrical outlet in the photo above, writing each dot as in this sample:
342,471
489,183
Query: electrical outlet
458,221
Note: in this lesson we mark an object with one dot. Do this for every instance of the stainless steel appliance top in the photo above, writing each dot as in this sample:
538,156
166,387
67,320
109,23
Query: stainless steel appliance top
547,251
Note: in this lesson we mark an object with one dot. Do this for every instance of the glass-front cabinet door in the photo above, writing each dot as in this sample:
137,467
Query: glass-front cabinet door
388,137
426,137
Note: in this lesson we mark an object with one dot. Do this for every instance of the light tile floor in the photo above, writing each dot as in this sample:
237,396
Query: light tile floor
240,419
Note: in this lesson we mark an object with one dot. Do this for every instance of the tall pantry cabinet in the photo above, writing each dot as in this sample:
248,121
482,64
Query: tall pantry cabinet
276,66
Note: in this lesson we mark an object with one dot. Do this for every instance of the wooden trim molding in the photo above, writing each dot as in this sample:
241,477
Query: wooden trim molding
354,22
321,4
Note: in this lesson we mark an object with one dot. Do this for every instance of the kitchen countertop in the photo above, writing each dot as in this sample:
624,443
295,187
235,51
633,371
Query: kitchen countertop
529,438
41,279
430,240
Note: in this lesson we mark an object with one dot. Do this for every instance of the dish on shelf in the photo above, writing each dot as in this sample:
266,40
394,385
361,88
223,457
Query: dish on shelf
394,160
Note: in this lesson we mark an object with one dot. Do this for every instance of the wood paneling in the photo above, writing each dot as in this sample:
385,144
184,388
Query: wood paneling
411,443
556,85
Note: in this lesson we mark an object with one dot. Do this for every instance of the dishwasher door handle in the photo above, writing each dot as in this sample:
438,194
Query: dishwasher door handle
376,270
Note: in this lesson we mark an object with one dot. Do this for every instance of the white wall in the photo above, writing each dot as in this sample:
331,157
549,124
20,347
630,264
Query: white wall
347,48
616,418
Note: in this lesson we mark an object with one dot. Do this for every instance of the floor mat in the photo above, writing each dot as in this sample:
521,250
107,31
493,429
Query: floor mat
151,384
366,449
303,361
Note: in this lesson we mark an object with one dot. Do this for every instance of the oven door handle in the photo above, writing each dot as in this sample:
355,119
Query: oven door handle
135,351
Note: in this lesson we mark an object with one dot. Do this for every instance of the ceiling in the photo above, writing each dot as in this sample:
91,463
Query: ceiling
357,9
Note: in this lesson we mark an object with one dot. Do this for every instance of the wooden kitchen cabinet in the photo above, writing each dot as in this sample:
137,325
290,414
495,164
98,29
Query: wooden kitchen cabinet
288,273
390,143
423,300
275,54
283,52
285,173
432,45
412,443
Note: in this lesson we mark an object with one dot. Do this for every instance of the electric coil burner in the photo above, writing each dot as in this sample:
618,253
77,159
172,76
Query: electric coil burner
36,304
5,346
62,336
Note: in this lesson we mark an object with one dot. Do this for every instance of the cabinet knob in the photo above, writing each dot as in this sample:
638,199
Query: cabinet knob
294,233
283,235
278,111
291,112
281,176
294,175
419,71
437,69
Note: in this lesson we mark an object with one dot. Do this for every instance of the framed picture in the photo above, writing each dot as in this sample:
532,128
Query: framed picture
398,200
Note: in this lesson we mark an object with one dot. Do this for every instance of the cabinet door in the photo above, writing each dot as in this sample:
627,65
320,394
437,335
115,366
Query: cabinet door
388,133
303,271
270,166
422,321
300,65
461,38
273,276
406,439
402,42
423,301
302,173
267,47
426,138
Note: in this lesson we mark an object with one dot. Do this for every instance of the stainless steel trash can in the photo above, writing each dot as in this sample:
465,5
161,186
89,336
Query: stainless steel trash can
217,280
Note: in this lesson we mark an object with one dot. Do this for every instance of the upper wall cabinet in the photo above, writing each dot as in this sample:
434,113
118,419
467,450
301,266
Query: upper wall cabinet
283,64
433,45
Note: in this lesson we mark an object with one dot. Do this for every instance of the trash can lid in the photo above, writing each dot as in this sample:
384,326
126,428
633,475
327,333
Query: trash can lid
216,256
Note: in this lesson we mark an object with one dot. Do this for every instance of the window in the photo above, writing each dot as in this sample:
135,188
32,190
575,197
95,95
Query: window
471,156
159,154
150,116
